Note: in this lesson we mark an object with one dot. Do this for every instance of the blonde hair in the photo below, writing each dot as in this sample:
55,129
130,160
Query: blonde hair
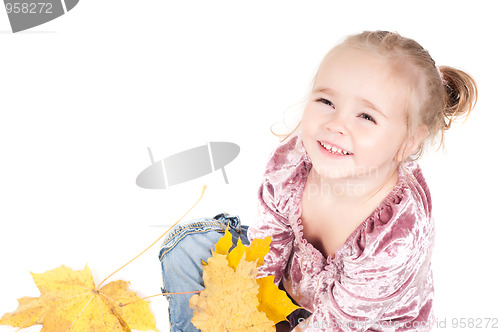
450,93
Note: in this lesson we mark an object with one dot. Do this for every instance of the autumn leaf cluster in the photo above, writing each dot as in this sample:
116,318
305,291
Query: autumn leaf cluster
233,298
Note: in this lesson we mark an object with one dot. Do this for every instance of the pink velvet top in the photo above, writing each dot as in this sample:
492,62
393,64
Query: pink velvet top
380,279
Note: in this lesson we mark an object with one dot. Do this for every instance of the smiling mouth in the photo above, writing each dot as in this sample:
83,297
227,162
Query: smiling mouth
334,149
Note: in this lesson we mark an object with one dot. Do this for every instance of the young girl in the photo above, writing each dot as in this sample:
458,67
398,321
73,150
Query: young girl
348,209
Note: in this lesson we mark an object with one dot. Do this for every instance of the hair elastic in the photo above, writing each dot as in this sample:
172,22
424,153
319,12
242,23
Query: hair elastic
441,76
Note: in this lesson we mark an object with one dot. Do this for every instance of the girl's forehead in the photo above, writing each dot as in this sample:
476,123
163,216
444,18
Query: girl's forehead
364,66
366,69
366,75
346,58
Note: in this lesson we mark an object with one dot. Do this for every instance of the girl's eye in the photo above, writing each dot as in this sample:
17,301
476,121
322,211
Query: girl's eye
367,117
325,101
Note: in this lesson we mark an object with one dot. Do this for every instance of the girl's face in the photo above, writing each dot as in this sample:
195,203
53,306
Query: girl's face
355,120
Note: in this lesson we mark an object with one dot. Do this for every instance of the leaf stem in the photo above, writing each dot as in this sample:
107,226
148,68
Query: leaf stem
152,244
147,297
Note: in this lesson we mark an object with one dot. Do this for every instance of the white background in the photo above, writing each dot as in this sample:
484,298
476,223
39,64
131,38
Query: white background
83,96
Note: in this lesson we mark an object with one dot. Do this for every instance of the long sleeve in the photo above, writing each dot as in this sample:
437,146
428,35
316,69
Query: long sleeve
272,223
284,176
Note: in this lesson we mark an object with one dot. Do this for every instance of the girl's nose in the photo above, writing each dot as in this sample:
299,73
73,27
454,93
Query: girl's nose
336,124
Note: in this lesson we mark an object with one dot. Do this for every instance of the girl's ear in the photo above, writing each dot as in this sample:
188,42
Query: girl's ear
413,143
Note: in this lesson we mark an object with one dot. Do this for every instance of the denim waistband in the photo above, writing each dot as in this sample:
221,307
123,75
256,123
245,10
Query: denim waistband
219,223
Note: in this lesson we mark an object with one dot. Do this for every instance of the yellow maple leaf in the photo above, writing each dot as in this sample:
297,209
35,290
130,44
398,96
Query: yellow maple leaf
229,301
273,301
256,251
70,301
233,298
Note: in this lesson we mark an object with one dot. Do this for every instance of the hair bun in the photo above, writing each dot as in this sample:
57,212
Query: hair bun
460,96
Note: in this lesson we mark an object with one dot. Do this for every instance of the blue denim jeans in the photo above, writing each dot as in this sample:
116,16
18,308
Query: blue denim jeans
181,254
